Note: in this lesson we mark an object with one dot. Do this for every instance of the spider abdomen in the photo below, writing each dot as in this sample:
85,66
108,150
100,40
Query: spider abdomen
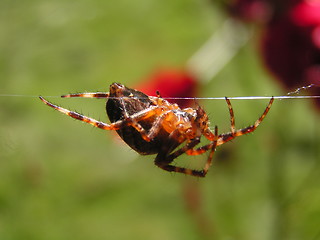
133,138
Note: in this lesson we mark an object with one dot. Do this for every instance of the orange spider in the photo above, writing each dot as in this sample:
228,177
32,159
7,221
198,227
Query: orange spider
152,125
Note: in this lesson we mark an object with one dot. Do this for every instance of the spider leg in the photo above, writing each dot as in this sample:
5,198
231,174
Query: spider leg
128,121
223,138
213,149
205,148
88,95
190,145
134,124
232,120
95,123
164,162
156,126
200,150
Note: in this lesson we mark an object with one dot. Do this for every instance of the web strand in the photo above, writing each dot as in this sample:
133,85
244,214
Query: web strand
290,95
298,90
190,98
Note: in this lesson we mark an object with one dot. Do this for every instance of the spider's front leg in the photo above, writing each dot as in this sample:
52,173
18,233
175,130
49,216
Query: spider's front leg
223,138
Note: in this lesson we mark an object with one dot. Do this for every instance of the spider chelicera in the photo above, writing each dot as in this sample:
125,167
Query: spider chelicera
152,125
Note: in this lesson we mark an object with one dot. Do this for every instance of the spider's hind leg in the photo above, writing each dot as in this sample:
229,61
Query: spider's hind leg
78,116
164,161
132,120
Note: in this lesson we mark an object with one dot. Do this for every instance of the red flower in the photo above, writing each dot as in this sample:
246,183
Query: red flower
171,83
291,46
306,13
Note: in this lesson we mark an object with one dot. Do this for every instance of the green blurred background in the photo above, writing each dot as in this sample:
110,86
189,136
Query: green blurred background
62,179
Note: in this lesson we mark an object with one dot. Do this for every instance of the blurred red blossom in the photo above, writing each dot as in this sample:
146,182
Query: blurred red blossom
306,13
171,82
291,46
290,41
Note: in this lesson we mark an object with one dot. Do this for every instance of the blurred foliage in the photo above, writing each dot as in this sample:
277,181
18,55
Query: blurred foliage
62,179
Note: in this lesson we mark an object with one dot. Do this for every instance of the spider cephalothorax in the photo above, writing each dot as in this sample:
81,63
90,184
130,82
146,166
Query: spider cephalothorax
152,125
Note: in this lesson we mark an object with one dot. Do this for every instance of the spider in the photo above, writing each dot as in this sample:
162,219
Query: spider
152,125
